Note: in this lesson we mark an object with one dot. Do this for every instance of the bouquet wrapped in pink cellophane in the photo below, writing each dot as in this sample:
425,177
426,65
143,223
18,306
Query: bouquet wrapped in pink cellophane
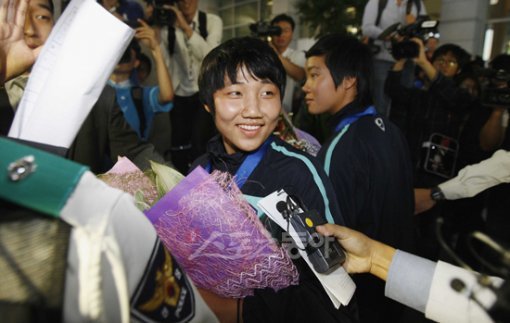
146,187
217,237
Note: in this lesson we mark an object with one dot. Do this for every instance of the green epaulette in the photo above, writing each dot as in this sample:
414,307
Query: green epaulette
36,179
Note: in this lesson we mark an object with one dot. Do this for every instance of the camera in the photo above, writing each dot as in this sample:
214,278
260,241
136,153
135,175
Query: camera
423,29
496,97
162,16
263,29
496,92
133,24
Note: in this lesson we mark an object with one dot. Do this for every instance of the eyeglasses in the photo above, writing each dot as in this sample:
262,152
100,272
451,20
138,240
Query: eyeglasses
450,63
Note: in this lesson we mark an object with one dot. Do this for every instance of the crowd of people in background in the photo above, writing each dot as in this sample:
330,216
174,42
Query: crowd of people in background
393,127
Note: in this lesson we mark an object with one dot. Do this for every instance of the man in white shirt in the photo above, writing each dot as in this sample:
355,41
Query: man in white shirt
186,43
293,60
470,181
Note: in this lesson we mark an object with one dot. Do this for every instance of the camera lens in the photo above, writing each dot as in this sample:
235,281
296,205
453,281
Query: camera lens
405,49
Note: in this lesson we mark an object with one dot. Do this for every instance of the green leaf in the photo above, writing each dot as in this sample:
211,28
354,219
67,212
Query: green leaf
140,201
165,177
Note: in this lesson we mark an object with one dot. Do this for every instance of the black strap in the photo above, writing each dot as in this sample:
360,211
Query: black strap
137,94
380,8
202,29
409,7
202,24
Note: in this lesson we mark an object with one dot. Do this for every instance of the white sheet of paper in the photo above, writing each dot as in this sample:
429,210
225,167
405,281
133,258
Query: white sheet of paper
71,71
338,284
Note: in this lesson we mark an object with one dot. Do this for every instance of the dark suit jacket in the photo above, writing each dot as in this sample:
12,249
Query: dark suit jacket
103,136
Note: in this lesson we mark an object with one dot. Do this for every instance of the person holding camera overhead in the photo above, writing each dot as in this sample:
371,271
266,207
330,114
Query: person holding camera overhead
187,35
440,109
377,17
431,120
293,60
488,130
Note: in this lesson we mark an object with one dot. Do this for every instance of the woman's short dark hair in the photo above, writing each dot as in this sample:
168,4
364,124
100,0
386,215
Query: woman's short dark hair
462,57
345,56
225,60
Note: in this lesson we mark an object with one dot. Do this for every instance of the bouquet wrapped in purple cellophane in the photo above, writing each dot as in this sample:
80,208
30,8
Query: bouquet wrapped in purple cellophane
216,236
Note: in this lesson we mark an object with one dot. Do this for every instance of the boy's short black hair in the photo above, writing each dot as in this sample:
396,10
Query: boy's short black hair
225,60
284,17
345,56
460,54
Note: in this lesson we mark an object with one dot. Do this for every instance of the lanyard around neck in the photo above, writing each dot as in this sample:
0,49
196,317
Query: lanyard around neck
249,164
370,111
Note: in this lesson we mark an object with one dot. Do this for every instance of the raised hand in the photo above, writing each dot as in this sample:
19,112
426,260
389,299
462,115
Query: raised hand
147,35
16,56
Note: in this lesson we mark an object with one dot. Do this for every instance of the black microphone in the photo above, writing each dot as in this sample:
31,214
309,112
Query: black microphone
281,206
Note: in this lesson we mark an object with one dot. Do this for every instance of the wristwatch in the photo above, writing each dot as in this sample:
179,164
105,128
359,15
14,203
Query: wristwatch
436,194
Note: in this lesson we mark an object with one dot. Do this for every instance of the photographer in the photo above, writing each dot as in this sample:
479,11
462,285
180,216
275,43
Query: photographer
293,60
187,35
377,17
493,133
488,129
431,120
439,109
143,106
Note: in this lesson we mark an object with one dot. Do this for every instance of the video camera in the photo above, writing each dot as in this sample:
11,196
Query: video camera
263,29
162,16
401,44
496,90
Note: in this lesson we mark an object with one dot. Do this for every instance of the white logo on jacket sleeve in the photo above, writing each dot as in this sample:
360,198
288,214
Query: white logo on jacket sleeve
380,123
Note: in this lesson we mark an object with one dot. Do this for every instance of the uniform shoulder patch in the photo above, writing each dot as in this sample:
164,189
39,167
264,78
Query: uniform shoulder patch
164,294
